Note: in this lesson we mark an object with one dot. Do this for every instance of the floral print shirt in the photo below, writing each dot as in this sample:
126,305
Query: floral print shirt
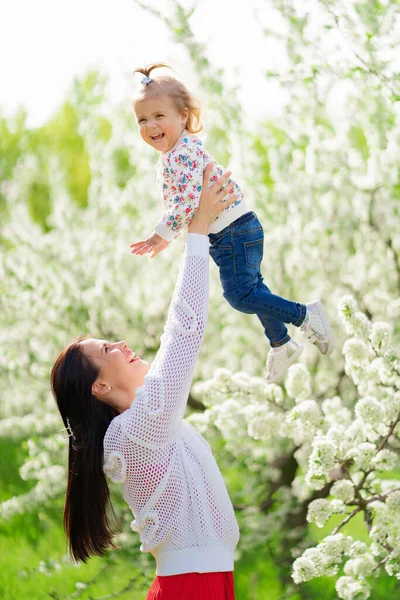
180,177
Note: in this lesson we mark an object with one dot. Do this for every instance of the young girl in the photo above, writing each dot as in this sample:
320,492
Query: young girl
169,119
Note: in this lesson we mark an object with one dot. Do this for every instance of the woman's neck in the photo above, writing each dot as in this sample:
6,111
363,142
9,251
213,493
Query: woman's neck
123,399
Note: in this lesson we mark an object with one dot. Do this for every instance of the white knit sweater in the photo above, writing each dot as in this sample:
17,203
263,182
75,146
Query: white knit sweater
171,481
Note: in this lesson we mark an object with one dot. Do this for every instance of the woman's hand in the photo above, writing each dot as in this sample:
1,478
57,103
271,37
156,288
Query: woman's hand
213,200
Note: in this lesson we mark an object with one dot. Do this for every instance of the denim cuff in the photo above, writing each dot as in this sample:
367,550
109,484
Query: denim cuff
303,311
278,344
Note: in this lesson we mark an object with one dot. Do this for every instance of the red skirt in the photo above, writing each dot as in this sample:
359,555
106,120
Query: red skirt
193,586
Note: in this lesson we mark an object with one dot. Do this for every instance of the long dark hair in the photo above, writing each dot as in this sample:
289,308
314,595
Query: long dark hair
88,514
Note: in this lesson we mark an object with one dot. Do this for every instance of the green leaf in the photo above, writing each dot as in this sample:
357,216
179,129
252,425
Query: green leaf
358,141
39,202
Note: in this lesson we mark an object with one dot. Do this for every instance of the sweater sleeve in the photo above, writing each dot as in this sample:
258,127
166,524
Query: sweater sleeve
156,413
186,169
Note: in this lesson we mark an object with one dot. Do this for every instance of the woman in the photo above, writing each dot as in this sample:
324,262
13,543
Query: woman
114,402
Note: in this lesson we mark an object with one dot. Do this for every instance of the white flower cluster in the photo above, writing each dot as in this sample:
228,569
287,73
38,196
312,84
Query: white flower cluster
19,428
380,336
51,485
322,460
355,322
303,421
352,589
262,424
324,559
319,512
343,490
298,382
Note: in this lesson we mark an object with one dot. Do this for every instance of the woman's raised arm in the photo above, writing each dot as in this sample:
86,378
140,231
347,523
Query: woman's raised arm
157,411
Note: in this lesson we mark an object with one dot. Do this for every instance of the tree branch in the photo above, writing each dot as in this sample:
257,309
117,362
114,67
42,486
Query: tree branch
346,520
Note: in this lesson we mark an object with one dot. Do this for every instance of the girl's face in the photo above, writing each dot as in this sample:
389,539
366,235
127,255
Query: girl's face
160,123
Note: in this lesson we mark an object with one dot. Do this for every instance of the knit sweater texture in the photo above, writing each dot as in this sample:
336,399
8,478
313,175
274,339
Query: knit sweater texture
181,507
180,178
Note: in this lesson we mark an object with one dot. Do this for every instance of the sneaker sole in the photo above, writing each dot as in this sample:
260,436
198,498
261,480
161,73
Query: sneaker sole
292,359
331,340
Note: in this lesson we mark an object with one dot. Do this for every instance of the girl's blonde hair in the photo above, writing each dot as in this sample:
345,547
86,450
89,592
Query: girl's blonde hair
166,85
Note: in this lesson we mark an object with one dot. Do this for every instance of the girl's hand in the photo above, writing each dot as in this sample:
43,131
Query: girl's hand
212,201
154,243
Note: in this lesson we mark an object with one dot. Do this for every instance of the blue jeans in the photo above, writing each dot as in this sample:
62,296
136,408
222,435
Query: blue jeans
238,250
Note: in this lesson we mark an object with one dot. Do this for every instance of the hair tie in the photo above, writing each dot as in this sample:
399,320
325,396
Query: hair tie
146,80
67,431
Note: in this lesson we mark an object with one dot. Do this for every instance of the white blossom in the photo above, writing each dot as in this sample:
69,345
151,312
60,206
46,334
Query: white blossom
352,589
362,455
319,511
304,420
262,424
360,566
357,548
335,546
347,306
380,336
356,352
80,585
369,410
308,566
298,382
385,460
343,490
392,565
393,501
322,460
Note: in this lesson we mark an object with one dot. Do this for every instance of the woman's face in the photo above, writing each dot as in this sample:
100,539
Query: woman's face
120,369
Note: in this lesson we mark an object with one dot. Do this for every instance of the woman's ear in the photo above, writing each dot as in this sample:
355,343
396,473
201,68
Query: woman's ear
100,389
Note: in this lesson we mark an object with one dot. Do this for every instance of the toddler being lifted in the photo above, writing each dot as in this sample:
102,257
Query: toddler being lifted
168,117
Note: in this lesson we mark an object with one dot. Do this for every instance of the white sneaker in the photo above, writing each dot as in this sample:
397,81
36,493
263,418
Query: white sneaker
315,328
279,359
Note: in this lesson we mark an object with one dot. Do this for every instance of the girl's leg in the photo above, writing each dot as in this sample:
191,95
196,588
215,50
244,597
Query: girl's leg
238,252
275,330
251,295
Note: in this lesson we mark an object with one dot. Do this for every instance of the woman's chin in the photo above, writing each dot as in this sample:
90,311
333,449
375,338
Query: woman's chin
141,366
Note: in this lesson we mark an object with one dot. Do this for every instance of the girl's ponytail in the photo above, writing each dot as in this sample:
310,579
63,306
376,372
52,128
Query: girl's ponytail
147,70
